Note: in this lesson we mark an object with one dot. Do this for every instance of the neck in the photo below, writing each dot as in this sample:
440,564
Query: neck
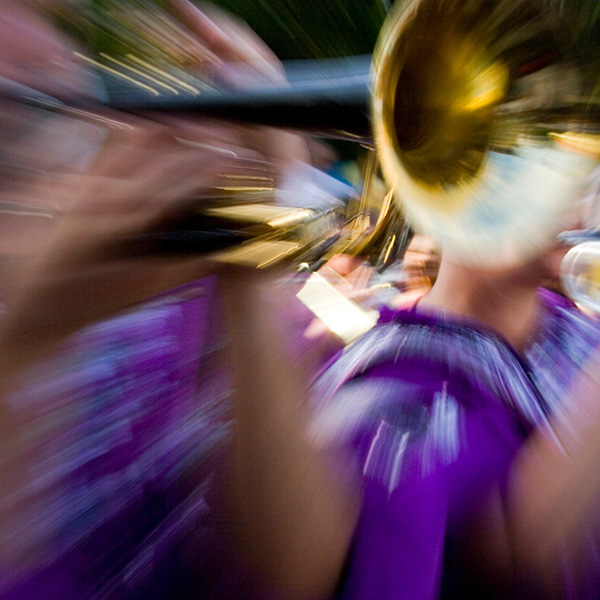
505,302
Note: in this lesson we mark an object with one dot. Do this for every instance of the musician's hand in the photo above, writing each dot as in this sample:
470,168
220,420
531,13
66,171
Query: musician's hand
232,54
149,176
147,179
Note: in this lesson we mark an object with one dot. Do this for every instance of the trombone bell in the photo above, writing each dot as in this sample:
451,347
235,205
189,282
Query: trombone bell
470,99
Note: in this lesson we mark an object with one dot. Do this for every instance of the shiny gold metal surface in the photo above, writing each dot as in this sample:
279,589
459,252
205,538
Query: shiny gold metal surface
471,103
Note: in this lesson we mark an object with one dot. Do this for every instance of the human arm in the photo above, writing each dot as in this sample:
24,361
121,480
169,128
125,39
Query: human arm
555,485
540,527
293,514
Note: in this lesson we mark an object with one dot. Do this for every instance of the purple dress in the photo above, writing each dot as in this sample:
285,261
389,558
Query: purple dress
435,410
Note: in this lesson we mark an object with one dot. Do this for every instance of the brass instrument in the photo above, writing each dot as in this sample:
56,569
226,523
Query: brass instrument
246,226
470,103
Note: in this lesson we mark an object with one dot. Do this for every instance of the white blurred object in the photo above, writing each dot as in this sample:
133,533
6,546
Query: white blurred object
303,185
512,211
580,275
591,201
341,315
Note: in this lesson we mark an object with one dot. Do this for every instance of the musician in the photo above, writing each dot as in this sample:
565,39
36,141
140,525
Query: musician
110,427
428,466
453,449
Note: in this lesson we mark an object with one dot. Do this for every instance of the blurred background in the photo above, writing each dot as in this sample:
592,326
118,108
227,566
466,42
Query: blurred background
293,30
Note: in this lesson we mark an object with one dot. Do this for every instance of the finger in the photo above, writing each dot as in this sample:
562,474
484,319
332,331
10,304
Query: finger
130,209
230,41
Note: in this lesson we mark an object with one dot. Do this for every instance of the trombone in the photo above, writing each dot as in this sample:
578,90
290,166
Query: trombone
467,104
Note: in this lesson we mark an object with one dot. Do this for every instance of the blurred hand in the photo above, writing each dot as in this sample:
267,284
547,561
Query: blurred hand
351,275
238,58
234,48
149,176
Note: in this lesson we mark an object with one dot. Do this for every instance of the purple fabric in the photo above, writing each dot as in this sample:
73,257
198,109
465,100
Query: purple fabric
435,409
123,429
127,425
